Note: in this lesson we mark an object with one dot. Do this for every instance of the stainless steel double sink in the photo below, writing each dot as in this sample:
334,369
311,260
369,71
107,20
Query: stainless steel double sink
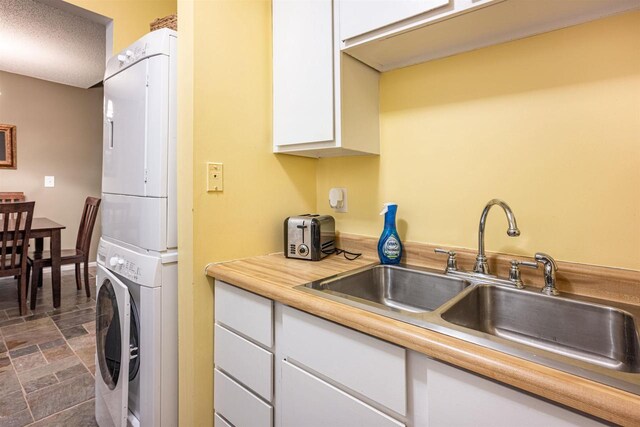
591,338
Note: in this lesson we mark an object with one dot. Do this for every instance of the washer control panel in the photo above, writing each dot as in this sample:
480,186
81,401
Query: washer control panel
137,267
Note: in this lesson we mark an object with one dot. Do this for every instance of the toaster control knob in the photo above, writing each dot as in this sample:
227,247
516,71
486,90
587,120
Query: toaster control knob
303,250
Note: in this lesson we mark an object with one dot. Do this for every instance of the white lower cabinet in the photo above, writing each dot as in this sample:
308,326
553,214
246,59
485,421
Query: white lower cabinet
318,373
243,357
442,396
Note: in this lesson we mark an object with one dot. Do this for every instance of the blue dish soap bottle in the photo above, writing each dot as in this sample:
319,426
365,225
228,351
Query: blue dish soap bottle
389,245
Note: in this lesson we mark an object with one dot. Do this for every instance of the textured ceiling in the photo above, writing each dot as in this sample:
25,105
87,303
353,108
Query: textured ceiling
46,40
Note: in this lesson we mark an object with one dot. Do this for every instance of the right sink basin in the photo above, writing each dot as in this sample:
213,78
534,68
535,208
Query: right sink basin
593,333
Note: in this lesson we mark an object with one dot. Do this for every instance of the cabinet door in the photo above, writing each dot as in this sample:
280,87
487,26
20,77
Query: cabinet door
303,71
361,16
446,396
308,401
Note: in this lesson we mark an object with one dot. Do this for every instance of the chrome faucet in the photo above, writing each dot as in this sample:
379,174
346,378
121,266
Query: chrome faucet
550,269
481,265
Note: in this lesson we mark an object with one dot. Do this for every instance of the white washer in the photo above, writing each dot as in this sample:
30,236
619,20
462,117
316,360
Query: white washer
136,384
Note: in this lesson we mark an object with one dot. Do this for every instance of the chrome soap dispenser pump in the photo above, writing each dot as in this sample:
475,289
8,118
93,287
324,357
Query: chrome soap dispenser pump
389,245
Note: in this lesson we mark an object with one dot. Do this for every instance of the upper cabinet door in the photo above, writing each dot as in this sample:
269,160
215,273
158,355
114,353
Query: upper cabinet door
303,71
361,16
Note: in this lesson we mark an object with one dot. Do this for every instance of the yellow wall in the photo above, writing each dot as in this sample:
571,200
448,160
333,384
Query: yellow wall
231,124
550,124
131,18
188,396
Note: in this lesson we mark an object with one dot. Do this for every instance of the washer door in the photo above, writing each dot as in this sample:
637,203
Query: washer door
113,308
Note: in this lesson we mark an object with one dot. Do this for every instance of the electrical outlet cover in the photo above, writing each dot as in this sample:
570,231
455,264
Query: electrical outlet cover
214,177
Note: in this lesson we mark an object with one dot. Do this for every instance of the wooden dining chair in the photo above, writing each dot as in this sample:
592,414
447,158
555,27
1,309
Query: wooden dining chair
13,196
15,227
80,255
10,197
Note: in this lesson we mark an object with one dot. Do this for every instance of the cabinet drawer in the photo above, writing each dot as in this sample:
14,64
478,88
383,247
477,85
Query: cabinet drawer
247,313
369,366
246,362
308,401
238,405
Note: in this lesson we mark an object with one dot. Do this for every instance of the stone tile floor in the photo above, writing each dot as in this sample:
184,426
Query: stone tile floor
47,360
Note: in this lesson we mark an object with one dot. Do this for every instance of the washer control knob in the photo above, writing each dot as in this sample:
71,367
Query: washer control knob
120,261
303,250
113,261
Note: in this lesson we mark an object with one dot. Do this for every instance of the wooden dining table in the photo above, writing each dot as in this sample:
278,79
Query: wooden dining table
42,228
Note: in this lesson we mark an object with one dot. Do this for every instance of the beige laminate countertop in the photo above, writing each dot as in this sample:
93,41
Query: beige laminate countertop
274,276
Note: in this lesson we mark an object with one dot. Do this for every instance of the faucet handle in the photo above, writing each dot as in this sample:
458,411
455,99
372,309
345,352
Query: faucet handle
514,272
529,264
452,263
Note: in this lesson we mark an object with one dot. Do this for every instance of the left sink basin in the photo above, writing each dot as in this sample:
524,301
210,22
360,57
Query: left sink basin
393,288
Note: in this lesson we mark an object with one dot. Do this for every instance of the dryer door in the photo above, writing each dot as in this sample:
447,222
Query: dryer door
135,132
113,308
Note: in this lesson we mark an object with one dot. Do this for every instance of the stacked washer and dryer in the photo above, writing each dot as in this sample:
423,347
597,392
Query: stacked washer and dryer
137,276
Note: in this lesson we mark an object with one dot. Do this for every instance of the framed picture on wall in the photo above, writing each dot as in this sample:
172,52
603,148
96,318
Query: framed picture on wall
8,154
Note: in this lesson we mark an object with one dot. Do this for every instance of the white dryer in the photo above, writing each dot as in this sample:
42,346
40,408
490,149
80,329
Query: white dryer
139,144
136,337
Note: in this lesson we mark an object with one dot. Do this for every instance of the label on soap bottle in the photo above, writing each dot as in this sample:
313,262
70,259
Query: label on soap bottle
391,248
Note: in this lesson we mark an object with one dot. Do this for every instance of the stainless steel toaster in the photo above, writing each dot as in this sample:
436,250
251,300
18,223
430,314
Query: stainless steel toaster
309,236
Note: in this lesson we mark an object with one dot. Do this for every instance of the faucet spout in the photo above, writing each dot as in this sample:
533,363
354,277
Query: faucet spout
481,265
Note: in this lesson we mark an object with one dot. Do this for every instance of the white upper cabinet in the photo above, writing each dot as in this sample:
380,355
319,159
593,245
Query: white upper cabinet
422,30
302,71
361,16
325,103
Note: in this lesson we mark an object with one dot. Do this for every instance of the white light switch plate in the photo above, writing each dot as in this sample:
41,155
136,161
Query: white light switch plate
49,181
